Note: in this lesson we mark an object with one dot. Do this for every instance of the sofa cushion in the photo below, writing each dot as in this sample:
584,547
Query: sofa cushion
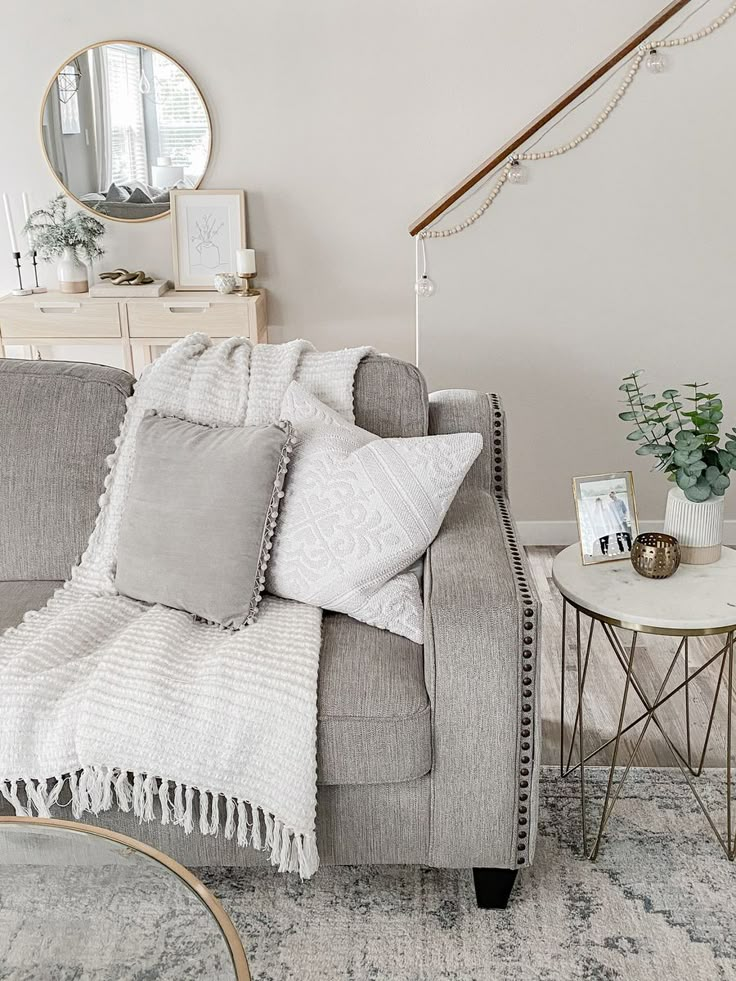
16,598
374,714
390,398
58,423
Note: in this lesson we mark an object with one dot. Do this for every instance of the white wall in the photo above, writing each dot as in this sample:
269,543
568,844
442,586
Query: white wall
617,256
344,120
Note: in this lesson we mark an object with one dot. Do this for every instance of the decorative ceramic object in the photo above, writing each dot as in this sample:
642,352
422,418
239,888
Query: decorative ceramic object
225,282
655,556
71,273
697,526
121,277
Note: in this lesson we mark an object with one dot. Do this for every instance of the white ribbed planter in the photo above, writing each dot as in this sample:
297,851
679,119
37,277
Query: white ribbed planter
697,527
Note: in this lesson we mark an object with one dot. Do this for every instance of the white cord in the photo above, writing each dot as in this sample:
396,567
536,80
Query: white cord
416,297
424,259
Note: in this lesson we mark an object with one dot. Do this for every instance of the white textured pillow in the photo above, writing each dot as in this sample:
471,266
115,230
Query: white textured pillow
358,511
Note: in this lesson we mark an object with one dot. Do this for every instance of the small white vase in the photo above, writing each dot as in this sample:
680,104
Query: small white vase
698,527
71,273
225,282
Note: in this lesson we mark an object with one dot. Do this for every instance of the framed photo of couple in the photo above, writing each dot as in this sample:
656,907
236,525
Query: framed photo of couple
606,513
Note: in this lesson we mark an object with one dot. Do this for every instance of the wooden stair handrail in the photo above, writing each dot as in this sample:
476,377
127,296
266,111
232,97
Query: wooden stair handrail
500,156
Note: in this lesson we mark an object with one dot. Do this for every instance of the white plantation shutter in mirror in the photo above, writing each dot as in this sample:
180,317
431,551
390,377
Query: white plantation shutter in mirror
129,158
183,131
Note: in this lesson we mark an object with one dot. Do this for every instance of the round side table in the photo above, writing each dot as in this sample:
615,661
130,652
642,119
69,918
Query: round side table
697,601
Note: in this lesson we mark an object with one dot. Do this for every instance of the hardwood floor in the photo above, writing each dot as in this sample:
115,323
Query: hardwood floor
605,682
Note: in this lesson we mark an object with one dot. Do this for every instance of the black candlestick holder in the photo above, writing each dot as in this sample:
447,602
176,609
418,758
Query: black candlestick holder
36,288
20,291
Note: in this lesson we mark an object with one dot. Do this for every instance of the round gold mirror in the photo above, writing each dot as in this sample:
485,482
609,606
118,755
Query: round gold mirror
122,125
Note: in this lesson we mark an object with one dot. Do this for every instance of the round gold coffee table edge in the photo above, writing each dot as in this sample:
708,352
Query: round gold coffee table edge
226,925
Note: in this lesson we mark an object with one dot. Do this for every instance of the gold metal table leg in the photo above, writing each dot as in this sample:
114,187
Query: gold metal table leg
610,799
579,720
712,716
729,734
563,654
687,703
683,760
665,698
727,652
586,661
612,770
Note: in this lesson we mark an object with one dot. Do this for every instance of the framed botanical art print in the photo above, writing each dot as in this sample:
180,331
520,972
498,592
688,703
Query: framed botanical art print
606,513
207,228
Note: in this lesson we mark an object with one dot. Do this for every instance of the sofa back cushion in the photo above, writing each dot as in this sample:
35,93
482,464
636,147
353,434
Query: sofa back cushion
58,423
390,398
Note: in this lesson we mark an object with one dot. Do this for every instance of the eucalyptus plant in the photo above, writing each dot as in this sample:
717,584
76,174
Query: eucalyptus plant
685,441
53,230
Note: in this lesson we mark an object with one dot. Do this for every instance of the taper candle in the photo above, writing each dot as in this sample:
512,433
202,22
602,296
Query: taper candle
11,228
245,261
27,213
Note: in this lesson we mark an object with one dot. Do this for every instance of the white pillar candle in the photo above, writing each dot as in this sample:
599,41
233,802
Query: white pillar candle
245,261
11,229
27,213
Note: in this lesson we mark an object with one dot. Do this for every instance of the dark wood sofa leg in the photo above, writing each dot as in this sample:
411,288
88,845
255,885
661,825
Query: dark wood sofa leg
493,887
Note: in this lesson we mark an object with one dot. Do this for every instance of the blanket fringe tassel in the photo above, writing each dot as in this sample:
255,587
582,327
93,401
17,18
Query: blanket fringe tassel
100,788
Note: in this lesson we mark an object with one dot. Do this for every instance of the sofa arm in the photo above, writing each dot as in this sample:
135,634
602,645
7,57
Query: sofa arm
482,629
463,411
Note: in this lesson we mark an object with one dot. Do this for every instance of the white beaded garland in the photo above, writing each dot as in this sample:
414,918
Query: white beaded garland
642,52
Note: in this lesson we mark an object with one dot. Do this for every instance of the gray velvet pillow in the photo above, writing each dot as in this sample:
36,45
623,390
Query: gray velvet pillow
201,511
139,196
115,193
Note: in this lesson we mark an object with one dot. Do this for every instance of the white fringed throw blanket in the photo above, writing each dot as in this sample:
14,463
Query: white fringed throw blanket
105,701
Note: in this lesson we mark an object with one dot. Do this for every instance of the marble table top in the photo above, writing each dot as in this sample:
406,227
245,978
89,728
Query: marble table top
696,599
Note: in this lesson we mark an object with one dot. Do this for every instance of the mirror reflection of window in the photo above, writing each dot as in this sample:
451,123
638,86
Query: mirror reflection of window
124,110
183,129
127,126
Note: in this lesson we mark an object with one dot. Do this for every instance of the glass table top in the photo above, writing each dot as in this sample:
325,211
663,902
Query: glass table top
77,904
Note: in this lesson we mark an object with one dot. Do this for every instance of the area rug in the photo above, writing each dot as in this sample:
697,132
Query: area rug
659,904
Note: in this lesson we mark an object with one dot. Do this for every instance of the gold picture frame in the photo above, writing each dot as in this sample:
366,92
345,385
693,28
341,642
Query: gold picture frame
189,207
606,515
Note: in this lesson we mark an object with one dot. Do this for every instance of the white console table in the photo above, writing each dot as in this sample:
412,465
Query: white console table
45,319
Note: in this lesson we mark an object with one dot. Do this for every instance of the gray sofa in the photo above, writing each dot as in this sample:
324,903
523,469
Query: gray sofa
427,755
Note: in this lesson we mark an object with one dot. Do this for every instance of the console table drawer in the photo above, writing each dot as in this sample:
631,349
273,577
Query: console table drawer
170,317
59,318
142,324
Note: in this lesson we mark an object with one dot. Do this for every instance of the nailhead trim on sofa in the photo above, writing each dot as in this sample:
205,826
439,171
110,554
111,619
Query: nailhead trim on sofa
529,632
